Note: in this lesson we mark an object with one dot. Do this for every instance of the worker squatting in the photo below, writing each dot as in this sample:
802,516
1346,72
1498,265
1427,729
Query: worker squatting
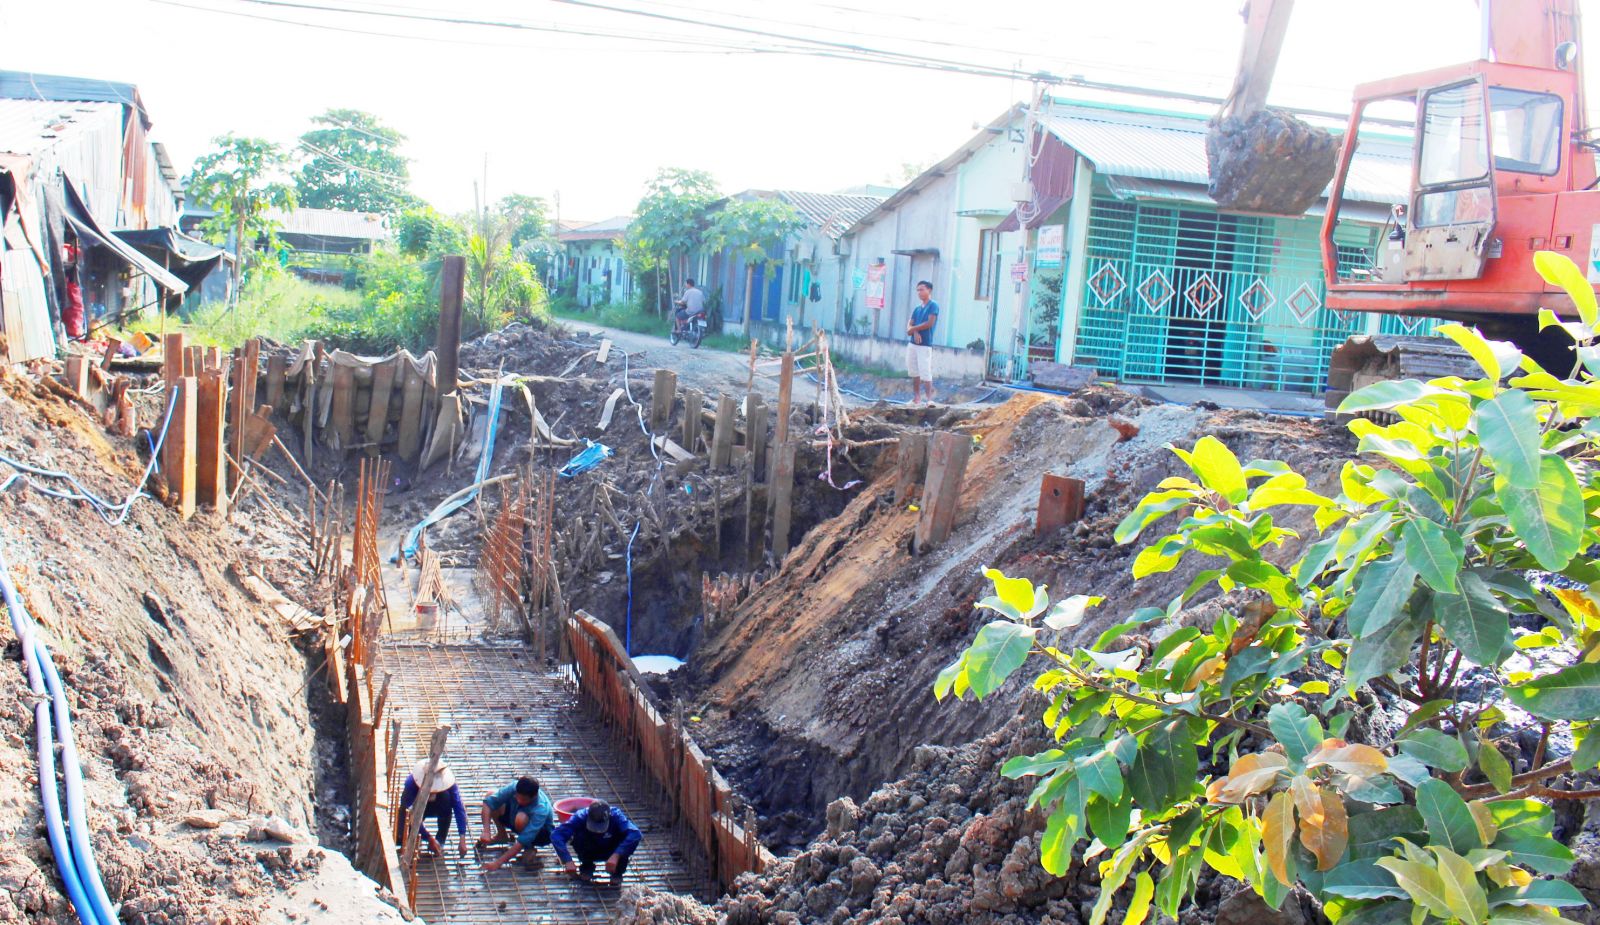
521,817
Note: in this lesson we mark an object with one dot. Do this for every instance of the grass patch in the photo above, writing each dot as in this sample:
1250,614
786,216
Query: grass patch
280,306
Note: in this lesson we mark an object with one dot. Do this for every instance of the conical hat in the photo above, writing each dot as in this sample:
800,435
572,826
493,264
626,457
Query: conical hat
443,778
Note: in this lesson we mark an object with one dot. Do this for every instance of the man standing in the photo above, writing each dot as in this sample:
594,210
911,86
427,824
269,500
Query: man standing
919,349
600,831
442,805
522,810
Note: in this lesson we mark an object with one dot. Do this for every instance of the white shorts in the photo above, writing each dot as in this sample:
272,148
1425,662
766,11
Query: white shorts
919,362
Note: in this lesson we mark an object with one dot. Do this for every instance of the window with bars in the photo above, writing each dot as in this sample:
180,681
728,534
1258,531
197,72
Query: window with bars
988,238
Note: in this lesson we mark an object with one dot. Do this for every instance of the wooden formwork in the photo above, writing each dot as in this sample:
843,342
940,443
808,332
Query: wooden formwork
683,777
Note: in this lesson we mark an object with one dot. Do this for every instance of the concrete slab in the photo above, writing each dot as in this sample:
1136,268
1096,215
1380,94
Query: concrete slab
1296,403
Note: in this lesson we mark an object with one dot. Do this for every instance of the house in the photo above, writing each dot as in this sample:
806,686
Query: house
318,243
1083,234
77,165
594,271
801,277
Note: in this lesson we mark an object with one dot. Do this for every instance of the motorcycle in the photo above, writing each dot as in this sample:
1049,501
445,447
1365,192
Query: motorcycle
692,330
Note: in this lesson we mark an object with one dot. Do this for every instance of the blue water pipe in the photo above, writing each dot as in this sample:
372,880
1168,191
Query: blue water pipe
409,547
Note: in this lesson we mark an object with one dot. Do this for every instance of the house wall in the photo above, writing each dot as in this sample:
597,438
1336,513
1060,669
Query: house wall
591,260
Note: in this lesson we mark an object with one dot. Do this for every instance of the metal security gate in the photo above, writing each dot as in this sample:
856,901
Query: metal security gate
1184,294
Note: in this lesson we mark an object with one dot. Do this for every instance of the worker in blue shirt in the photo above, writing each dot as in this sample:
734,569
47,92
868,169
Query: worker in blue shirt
443,804
522,812
598,832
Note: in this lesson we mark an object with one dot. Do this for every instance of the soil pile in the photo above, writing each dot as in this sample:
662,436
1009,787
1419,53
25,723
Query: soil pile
188,694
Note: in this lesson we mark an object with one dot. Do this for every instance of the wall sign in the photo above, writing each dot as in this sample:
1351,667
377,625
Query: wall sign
1051,246
876,275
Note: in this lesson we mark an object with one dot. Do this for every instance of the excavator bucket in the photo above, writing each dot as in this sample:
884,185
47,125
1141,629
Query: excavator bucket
1365,359
1268,162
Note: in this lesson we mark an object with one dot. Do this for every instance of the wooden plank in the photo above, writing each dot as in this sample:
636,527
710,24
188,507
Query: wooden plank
693,404
259,432
378,411
76,375
452,280
408,856
911,463
785,397
947,466
755,429
277,367
252,371
411,414
173,350
211,462
782,497
610,409
194,360
113,350
604,353
663,395
1061,502
722,434
344,408
242,400
213,358
671,448
178,453
308,409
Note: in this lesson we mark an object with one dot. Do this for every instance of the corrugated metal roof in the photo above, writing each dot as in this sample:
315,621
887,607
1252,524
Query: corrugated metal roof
1125,187
30,126
29,85
332,223
831,212
1172,147
604,230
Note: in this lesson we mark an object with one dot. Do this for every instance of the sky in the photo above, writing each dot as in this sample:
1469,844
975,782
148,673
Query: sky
592,117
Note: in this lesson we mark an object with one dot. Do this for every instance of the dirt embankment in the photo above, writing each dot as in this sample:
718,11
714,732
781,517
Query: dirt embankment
187,694
820,685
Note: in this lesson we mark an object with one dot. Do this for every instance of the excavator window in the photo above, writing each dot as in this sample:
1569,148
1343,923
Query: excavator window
1454,146
1526,128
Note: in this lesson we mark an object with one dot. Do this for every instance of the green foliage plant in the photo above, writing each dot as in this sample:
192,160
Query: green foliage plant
1409,588
352,162
243,180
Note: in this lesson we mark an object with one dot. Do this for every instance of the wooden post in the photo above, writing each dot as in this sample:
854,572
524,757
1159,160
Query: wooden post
947,465
242,402
755,434
344,408
213,358
693,403
308,403
411,414
113,350
178,463
452,282
782,497
1060,503
722,434
663,395
194,360
408,856
77,375
252,372
909,467
173,350
277,365
785,397
211,480
378,412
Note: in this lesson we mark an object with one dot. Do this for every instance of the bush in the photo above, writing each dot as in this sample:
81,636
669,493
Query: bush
273,305
1481,488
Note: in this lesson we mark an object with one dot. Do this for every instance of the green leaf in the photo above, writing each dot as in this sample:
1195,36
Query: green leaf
1520,818
1069,613
1587,754
1446,816
1165,767
1102,774
1381,595
1550,519
1297,731
1408,769
1217,468
999,650
1144,888
1017,593
1035,765
1560,270
1539,893
1540,852
1569,694
1361,880
1382,913
1436,750
1422,714
1055,852
1462,892
947,676
1117,874
1435,552
1494,765
1497,357
1382,653
1110,821
1527,915
1373,834
1508,430
1381,396
1474,620
1421,882
1155,506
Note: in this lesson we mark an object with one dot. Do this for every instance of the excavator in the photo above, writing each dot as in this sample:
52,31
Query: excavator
1503,165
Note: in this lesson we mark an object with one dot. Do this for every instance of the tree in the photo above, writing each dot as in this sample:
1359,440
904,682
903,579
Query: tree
1471,512
752,229
353,162
424,232
669,220
241,180
527,217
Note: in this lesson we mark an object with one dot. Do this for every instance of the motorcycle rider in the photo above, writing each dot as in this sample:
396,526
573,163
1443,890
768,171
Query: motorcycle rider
693,302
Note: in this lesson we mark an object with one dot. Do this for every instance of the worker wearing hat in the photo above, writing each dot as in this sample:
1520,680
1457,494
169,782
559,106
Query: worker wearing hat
521,809
597,832
443,804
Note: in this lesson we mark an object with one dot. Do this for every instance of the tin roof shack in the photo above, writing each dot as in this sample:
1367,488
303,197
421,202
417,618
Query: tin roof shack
802,277
320,245
594,272
76,162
